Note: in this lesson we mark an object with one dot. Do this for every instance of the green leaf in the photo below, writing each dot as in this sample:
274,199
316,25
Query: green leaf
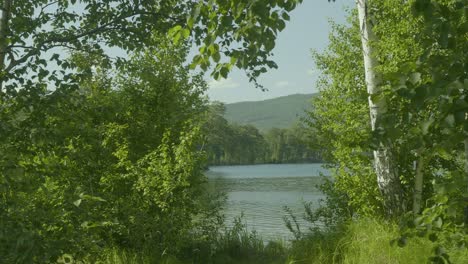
197,59
216,75
376,98
450,120
77,202
185,33
442,198
415,78
175,33
233,60
176,37
212,49
426,125
224,72
175,29
281,25
193,16
216,56
190,22
226,22
55,56
438,223
91,198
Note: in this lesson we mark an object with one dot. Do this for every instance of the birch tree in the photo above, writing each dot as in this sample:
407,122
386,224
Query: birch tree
385,167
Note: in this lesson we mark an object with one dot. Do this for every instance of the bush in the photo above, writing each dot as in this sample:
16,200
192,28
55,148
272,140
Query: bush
113,163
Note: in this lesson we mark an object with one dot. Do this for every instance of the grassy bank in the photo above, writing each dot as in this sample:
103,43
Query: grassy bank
363,241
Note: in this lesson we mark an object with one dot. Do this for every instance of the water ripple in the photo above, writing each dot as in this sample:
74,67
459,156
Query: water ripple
261,198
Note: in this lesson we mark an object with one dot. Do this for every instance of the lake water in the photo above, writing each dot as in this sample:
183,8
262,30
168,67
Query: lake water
260,192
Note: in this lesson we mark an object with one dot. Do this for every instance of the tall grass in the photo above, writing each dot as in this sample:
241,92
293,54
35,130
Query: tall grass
239,245
368,241
365,241
233,245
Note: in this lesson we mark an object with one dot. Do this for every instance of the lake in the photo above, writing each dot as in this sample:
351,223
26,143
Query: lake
260,192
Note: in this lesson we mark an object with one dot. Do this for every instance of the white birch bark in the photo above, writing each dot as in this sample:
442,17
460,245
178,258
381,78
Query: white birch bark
387,175
4,19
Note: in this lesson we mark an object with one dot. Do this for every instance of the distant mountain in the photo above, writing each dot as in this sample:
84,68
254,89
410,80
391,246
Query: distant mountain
281,112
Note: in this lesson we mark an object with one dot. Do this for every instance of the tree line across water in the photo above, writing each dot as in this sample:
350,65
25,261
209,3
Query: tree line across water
234,144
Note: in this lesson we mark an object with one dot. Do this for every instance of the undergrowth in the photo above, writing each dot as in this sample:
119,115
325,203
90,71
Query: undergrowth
363,241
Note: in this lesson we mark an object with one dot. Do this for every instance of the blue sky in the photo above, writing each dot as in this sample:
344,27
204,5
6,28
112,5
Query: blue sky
308,30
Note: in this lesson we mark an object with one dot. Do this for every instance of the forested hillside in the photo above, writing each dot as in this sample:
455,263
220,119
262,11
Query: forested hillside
255,132
228,143
281,112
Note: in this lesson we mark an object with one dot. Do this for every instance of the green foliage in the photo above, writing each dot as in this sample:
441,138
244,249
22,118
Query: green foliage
239,245
289,145
39,30
243,144
420,47
332,212
374,236
442,222
114,163
428,86
109,156
339,121
363,241
244,32
231,245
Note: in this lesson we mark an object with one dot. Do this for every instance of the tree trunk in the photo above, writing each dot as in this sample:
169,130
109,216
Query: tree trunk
418,185
387,174
5,12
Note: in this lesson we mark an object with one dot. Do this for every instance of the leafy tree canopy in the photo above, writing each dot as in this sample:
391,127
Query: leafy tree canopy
35,33
244,31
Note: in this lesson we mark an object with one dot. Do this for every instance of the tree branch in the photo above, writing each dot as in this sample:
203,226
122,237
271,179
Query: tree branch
40,46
